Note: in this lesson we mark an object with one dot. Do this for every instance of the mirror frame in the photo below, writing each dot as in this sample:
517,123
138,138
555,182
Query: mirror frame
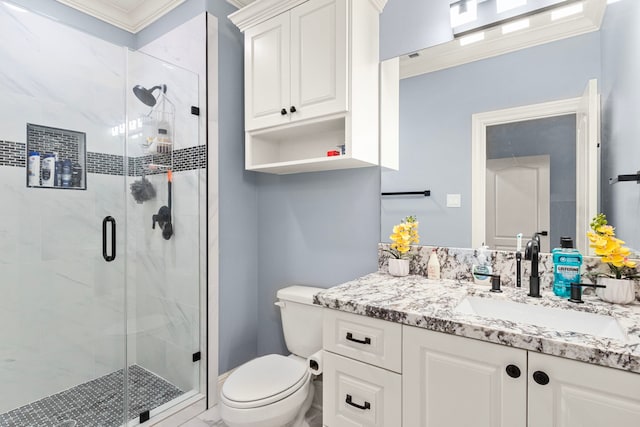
587,164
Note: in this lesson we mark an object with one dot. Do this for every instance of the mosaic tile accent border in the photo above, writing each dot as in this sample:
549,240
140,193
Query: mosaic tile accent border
13,154
96,403
184,159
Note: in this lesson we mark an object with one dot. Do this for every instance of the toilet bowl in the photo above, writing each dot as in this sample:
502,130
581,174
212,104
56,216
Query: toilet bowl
270,391
276,390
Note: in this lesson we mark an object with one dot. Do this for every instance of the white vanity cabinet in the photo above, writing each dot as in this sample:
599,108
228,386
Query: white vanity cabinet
380,373
362,385
580,395
459,382
311,84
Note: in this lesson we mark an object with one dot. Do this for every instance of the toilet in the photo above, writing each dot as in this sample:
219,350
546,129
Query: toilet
276,390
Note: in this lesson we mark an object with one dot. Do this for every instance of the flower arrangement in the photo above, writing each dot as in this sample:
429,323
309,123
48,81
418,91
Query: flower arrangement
610,250
404,234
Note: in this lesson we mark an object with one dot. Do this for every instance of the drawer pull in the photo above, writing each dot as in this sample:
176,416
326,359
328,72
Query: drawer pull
350,337
366,406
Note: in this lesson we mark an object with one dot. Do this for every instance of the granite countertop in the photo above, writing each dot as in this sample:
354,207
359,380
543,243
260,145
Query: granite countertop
430,304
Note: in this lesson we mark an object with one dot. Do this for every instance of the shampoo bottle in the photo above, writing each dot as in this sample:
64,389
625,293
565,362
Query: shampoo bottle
33,169
433,266
567,263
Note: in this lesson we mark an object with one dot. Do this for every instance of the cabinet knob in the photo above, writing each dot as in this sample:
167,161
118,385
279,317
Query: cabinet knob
513,371
541,378
292,109
283,111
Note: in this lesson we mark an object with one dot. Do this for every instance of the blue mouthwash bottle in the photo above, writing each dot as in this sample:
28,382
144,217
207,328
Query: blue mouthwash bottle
567,263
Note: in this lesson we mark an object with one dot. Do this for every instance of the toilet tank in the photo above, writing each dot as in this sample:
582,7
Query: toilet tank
301,320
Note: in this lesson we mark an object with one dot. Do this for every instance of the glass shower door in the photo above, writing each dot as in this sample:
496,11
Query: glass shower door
62,179
166,162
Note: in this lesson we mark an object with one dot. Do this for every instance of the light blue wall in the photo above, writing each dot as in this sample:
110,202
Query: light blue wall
435,126
318,229
621,117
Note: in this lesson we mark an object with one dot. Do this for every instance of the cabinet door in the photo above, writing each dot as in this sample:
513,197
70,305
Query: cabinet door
319,58
459,382
356,394
267,73
581,395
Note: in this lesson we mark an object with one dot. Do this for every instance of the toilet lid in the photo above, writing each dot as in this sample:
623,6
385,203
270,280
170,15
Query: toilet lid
265,379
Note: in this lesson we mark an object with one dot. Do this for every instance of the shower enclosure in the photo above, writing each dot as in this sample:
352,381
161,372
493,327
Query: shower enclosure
100,313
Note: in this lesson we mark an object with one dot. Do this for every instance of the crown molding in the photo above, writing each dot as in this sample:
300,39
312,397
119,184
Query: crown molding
260,11
541,31
240,3
130,19
254,12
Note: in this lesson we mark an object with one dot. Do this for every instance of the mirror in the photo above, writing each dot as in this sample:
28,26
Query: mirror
436,133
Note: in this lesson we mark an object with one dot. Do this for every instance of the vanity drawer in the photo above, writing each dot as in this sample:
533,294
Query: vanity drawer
369,340
359,395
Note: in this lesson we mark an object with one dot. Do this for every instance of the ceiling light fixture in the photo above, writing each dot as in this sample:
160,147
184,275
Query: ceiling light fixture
472,38
463,12
505,5
518,25
563,12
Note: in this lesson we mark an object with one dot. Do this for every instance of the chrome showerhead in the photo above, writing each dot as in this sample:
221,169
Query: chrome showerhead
146,95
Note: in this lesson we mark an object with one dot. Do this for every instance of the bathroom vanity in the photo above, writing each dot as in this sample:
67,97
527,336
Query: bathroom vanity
417,352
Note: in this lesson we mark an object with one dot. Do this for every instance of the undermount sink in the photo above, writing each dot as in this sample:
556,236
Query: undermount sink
553,318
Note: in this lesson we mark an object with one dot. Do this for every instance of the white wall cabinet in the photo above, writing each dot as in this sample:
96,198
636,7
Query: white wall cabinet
458,382
454,381
296,65
311,84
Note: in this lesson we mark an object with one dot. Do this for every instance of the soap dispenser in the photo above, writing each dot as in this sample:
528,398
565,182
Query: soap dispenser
482,270
433,266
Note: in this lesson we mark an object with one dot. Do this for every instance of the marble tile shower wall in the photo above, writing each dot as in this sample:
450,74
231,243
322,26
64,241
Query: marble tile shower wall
65,304
456,264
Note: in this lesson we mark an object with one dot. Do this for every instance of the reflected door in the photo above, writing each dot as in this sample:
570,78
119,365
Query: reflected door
518,200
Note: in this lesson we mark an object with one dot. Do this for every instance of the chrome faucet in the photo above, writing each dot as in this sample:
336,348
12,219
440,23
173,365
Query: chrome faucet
531,252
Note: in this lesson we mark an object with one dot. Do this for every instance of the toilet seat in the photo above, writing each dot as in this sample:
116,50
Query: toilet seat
263,381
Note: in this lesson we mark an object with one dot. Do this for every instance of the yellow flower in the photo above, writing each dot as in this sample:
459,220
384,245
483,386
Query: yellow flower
404,234
608,247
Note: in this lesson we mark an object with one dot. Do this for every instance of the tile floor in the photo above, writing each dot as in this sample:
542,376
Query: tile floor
211,418
96,403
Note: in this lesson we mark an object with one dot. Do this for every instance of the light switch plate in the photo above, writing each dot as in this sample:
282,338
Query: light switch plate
454,200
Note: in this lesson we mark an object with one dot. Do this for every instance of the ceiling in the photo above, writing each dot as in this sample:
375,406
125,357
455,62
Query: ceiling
130,15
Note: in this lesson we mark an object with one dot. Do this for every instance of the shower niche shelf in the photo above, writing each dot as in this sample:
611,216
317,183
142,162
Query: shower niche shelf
56,158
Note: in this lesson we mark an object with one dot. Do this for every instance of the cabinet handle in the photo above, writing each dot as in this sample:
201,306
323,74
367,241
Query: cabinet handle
366,406
350,337
283,111
292,109
541,377
513,371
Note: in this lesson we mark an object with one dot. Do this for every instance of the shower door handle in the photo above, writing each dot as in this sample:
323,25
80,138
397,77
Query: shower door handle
107,257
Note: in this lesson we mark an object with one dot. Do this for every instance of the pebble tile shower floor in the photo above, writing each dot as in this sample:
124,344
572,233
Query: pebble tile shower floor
97,403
